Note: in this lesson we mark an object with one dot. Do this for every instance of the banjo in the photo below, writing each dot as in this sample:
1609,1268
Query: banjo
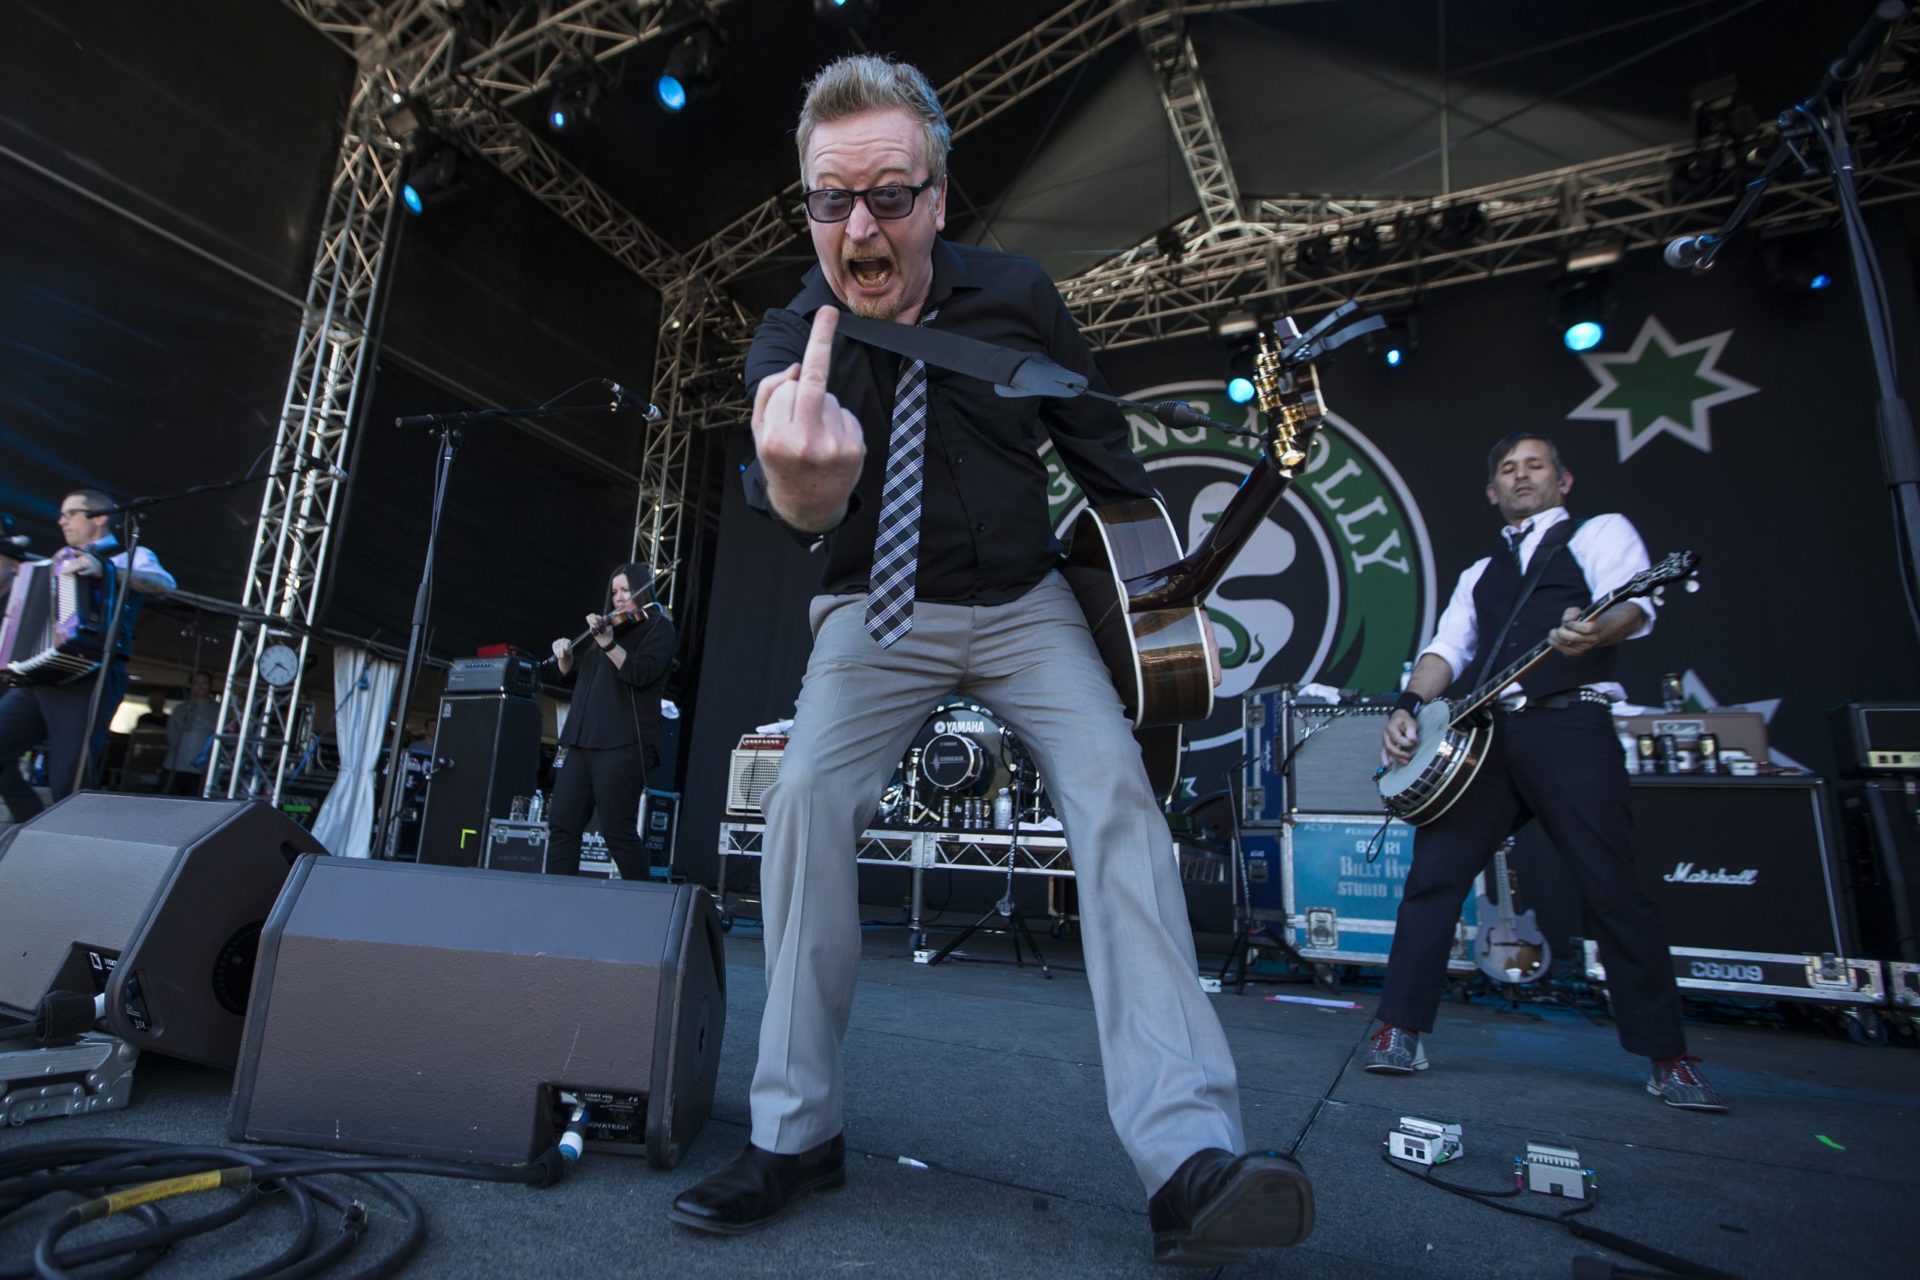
1454,739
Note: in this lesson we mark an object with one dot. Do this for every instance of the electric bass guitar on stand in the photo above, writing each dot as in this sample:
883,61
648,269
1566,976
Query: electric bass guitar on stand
1146,603
1509,946
1454,739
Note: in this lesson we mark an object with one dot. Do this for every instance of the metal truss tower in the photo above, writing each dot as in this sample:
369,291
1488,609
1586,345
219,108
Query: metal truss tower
310,451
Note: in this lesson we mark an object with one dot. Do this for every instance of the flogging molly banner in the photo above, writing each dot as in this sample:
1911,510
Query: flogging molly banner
1336,587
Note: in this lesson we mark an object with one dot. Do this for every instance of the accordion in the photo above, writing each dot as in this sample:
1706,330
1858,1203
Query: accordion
54,626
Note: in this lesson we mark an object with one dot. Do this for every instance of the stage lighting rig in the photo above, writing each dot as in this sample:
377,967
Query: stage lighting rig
433,179
575,104
692,70
1581,305
845,13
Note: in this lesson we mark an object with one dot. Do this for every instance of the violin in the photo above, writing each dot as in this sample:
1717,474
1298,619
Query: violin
618,618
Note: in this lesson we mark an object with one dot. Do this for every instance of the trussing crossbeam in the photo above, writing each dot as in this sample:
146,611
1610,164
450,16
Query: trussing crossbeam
508,51
1183,92
311,448
1633,201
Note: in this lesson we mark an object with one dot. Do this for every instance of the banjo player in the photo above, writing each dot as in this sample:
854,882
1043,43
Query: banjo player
1554,757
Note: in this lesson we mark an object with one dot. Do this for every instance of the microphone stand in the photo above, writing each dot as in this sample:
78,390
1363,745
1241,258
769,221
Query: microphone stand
132,510
448,426
1823,118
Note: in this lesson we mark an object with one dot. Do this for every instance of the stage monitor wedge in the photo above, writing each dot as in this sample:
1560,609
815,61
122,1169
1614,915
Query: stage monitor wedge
442,1012
156,902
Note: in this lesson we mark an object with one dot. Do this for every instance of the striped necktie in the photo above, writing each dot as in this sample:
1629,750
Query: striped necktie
896,544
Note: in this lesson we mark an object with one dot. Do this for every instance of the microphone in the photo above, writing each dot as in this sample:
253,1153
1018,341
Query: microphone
1178,413
621,400
1685,254
321,465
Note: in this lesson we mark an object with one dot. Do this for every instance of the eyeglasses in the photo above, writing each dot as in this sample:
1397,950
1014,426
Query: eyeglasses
835,204
74,513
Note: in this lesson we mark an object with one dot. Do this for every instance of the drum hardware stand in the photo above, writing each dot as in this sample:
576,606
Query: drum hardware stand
1006,908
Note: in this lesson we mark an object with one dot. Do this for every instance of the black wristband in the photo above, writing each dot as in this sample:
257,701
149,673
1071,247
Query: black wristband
1409,702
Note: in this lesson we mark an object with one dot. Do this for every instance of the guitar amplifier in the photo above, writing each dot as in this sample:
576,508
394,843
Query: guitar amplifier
753,768
1313,877
1874,739
1309,757
508,674
1745,874
1882,821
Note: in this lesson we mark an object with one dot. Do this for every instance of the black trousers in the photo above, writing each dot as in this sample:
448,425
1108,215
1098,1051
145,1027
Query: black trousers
603,780
55,715
1563,767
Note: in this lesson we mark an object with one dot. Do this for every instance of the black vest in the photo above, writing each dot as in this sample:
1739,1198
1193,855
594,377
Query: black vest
1561,586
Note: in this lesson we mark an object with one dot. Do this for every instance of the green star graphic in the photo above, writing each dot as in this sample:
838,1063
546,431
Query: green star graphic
1659,385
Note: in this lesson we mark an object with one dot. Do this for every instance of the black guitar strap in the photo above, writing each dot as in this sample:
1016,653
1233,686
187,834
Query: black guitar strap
1016,373
1550,543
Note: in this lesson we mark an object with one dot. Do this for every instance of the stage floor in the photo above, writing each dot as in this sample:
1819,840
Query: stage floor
988,1076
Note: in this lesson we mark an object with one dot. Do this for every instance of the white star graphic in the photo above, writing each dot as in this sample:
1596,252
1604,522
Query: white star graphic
1695,433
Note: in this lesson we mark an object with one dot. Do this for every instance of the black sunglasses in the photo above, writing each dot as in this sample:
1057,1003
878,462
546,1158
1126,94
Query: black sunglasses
835,204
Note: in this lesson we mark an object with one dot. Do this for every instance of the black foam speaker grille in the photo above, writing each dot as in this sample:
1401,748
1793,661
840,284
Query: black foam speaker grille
156,902
440,1011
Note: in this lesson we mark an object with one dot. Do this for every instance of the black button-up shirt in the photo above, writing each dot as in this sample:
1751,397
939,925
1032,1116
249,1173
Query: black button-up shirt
985,537
619,706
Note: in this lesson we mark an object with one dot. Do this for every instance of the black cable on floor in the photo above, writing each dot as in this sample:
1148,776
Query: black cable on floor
135,1177
1672,1265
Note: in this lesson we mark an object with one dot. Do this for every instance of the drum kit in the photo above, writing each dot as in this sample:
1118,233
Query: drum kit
963,772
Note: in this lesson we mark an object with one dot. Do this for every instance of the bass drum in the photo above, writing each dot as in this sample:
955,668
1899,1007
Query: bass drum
963,752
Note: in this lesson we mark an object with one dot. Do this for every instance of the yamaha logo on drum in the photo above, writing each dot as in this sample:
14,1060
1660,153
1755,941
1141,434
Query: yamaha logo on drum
960,726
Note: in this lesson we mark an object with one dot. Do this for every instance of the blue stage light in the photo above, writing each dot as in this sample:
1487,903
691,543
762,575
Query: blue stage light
1240,390
1394,356
1820,280
1584,335
672,94
411,198
557,119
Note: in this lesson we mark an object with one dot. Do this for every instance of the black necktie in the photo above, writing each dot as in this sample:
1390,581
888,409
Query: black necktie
896,543
1514,538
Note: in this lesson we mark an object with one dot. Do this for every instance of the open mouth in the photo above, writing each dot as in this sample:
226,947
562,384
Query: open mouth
871,273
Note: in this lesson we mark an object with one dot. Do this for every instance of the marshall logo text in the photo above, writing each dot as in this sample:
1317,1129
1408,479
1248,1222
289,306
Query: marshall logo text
1686,873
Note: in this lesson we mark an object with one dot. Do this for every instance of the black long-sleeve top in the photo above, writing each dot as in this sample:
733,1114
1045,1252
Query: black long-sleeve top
619,706
984,532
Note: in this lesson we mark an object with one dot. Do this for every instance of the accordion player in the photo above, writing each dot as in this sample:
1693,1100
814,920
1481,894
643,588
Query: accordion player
55,623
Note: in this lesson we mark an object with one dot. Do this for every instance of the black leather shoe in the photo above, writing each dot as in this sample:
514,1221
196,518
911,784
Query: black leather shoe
1218,1205
758,1186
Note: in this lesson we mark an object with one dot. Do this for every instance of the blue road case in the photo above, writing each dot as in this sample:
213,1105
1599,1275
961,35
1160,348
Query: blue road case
1310,875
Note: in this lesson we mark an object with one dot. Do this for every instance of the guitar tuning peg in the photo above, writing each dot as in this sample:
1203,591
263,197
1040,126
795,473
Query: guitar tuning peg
1693,586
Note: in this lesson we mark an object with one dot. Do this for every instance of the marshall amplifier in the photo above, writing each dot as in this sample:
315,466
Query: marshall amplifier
1874,739
1745,873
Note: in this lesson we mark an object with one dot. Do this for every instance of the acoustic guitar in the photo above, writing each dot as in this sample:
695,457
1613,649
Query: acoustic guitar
1145,602
1510,948
1454,739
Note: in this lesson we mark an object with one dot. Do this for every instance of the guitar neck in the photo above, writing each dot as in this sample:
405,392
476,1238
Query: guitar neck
1477,700
1186,582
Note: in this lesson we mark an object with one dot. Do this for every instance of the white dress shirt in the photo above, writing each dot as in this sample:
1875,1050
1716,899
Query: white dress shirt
1608,550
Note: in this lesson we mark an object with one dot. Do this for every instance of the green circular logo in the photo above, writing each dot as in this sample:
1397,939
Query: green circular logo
1334,587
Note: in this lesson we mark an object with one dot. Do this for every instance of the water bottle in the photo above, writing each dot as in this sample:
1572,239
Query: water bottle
537,807
1631,748
1003,810
1406,675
